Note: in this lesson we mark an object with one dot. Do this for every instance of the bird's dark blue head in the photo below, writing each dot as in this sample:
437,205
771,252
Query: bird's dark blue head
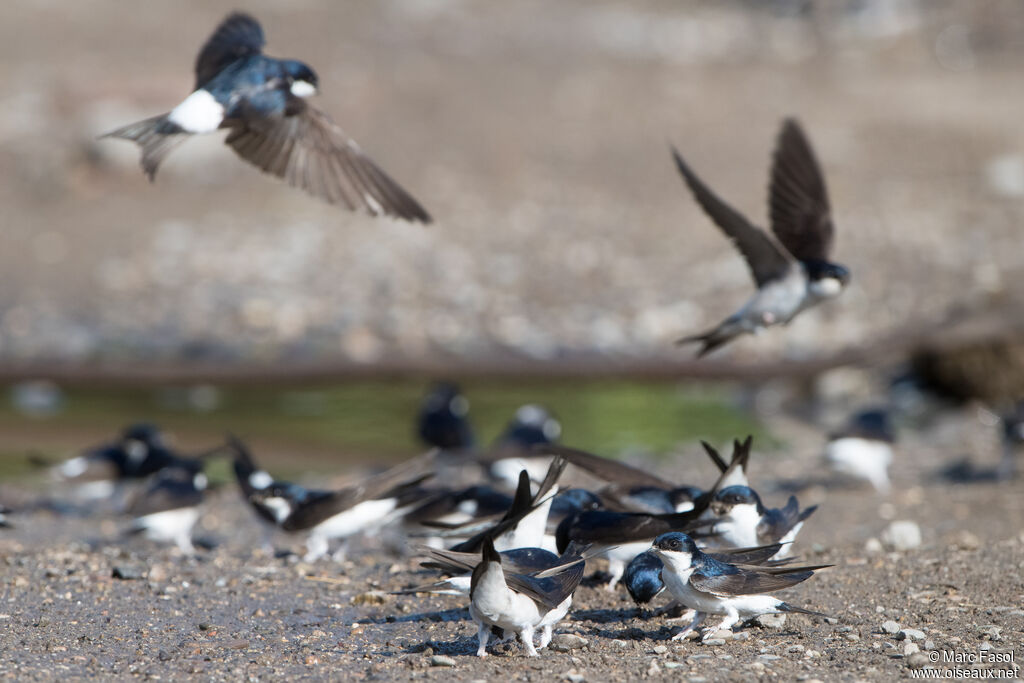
531,426
149,434
302,80
676,542
872,424
443,420
818,271
574,500
732,496
643,578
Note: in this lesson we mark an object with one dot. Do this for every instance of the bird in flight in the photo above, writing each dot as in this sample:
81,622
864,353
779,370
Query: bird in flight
262,102
791,270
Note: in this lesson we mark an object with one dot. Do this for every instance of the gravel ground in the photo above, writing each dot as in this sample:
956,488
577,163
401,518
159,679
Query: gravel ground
231,613
541,148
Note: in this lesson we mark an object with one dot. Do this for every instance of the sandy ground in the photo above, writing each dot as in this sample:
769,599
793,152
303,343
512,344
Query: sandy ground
232,612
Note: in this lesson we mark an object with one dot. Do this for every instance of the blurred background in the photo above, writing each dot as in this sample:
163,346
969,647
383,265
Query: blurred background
566,255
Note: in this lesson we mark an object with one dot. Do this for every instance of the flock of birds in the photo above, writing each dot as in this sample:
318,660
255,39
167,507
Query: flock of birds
513,539
516,543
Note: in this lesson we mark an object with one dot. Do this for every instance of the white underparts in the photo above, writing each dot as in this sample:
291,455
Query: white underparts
200,112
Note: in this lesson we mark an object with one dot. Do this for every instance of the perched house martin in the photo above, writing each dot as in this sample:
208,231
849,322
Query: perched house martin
515,450
104,471
262,102
711,586
643,575
168,508
330,515
624,535
524,524
443,420
863,449
519,603
792,271
742,520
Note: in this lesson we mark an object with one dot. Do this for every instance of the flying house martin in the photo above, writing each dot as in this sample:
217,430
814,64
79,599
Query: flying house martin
262,102
791,270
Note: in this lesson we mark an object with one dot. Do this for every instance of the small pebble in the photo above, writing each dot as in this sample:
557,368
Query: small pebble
660,649
929,644
619,643
910,634
441,660
126,573
795,648
772,620
672,665
910,648
852,637
566,642
918,660
713,641
902,535
890,627
990,632
768,658
742,635
574,676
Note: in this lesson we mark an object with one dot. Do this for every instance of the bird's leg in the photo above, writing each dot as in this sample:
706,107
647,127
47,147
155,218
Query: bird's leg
731,617
526,635
698,619
616,568
342,551
545,637
483,634
184,542
316,547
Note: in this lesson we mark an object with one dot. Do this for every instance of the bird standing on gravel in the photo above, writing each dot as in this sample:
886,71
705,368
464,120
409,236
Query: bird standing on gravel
262,101
792,271
743,520
710,586
519,603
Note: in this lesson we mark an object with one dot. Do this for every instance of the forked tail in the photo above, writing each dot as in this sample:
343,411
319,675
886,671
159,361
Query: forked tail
157,136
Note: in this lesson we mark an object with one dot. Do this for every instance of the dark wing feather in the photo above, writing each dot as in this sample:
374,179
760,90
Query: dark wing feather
798,200
747,581
621,474
551,590
309,151
766,260
756,555
237,36
610,528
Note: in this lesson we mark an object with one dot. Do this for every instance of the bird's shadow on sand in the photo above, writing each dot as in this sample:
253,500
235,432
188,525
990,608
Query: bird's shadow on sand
454,614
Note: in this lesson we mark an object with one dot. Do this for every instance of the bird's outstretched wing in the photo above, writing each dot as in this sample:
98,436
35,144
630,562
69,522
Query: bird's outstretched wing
748,582
766,260
797,198
239,35
309,151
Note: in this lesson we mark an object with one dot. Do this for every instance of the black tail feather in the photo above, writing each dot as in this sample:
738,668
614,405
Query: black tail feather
157,136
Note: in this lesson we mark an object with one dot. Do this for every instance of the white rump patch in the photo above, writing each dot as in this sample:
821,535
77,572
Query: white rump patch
260,480
200,112
74,467
826,287
303,89
279,507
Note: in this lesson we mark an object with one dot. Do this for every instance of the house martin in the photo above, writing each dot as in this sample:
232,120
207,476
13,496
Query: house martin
710,586
742,520
515,450
261,101
519,603
443,420
167,509
863,449
339,515
643,575
792,271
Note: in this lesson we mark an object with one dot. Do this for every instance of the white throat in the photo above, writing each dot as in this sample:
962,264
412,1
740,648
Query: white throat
303,89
